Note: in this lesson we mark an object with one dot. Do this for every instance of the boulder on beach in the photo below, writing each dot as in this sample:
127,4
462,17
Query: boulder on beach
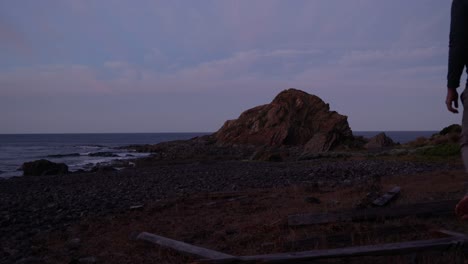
379,141
43,167
293,118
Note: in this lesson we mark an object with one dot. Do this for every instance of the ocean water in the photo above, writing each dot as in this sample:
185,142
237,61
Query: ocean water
76,150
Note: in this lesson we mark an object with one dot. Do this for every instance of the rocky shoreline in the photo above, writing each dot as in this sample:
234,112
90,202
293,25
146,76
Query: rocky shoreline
275,146
34,205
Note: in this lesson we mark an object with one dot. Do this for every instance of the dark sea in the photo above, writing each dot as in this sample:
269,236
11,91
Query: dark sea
78,151
82,151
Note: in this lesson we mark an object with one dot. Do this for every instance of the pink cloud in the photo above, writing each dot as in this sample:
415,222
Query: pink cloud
236,72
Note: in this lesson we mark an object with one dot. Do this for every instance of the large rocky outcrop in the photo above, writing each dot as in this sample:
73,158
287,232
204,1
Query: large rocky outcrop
43,167
293,118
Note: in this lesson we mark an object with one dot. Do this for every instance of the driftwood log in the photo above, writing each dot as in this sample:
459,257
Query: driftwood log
182,247
371,214
442,244
344,239
455,241
387,197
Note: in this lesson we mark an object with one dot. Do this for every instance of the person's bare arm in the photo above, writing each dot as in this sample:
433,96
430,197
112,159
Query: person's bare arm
458,51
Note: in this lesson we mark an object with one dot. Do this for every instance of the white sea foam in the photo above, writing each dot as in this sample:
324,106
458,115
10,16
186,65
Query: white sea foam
9,174
90,146
17,149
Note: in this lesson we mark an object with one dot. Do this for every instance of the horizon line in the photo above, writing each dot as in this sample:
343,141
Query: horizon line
74,133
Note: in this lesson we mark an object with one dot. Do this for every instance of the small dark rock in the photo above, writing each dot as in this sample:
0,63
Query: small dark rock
36,249
43,167
87,260
101,168
310,156
73,243
347,182
313,200
272,154
10,251
30,260
231,232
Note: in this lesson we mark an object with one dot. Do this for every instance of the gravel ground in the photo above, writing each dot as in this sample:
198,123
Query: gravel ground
31,205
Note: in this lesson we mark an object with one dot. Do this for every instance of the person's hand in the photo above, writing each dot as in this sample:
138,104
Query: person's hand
452,100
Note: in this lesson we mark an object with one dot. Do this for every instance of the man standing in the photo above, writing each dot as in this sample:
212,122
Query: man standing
458,59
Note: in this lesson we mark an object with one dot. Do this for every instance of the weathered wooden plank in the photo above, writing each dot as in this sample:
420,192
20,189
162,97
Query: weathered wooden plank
420,210
450,233
343,239
442,244
387,197
182,247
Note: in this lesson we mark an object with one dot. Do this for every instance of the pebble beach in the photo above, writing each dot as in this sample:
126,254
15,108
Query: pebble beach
32,206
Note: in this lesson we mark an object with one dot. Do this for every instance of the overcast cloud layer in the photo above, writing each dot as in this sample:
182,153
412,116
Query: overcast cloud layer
180,66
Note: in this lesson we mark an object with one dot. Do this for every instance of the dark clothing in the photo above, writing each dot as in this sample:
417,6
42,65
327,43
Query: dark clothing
458,53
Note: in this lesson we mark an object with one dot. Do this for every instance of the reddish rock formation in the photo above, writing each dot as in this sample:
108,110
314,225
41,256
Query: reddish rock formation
294,117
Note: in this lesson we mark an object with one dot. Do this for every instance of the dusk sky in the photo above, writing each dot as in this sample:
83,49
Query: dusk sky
187,66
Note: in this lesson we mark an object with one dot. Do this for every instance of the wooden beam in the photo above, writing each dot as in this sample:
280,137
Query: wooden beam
343,239
182,247
450,233
420,210
387,197
442,244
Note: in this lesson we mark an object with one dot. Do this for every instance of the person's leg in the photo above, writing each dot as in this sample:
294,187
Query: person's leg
464,133
464,153
462,207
